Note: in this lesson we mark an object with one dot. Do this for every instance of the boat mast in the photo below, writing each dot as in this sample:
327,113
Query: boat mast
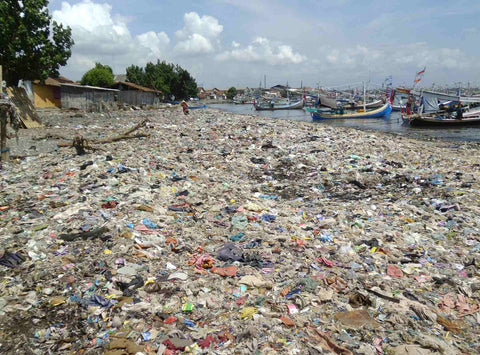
364,97
318,94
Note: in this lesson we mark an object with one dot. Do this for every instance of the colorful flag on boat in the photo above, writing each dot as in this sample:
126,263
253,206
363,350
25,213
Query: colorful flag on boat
419,76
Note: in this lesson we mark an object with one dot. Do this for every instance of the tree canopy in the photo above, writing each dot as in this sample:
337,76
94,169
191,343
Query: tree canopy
231,93
100,75
169,78
32,46
136,74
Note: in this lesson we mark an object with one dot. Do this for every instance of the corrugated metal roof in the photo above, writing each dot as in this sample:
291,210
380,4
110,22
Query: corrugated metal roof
62,79
138,87
88,87
54,81
48,81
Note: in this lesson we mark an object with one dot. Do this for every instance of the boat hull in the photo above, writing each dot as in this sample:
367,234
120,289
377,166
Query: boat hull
383,111
374,104
294,106
243,102
419,121
440,119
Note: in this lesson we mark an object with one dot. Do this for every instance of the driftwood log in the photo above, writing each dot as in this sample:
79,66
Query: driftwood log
81,144
94,233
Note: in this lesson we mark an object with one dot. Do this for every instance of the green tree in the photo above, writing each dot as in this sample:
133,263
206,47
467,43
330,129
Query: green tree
101,75
183,86
231,93
136,74
32,46
160,76
166,77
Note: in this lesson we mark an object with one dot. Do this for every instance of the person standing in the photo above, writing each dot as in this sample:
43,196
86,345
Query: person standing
459,111
186,111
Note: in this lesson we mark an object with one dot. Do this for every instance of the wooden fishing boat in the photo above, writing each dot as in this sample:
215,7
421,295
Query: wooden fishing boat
400,99
441,110
318,109
244,101
271,106
356,105
442,119
328,100
341,114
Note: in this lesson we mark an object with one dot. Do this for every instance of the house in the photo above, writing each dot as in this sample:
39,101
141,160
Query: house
216,94
203,94
137,95
48,92
85,97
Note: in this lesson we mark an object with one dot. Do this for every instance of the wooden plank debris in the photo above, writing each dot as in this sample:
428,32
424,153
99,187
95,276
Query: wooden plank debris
28,116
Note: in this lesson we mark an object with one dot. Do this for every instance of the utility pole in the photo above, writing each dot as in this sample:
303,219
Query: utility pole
265,81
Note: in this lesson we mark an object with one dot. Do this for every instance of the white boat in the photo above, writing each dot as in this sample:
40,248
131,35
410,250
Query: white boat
272,105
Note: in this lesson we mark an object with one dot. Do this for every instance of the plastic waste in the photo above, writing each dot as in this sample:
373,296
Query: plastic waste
232,234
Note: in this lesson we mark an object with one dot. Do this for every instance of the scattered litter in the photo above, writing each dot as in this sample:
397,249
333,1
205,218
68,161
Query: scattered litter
231,234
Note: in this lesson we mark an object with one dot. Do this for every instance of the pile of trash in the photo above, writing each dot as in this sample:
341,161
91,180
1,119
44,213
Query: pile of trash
227,234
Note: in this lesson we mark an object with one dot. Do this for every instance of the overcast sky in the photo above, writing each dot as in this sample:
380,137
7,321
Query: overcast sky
225,43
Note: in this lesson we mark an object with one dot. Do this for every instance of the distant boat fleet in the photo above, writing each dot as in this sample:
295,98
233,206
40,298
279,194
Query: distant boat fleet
328,105
417,107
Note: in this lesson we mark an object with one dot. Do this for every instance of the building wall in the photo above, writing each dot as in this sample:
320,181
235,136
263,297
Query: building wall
138,98
46,96
85,98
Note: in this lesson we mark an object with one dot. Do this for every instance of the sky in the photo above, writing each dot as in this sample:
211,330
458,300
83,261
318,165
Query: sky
316,43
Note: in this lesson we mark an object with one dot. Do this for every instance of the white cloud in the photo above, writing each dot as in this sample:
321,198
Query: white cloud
196,43
399,56
199,34
351,57
206,26
157,43
337,65
263,50
101,36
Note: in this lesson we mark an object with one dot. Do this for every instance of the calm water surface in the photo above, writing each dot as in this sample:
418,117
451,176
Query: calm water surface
391,124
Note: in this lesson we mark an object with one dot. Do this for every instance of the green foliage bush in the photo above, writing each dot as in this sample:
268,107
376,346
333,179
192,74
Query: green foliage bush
101,75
